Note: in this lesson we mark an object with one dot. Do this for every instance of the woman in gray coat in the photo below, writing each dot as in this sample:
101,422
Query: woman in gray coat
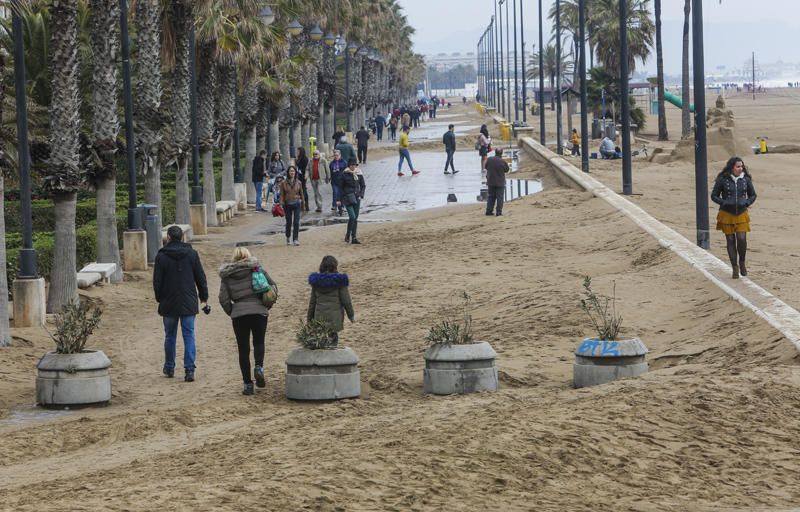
330,296
247,311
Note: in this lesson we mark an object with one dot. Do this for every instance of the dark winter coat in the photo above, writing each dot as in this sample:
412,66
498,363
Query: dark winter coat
449,141
731,196
276,168
236,294
353,187
259,169
330,299
362,137
496,169
178,279
347,151
337,168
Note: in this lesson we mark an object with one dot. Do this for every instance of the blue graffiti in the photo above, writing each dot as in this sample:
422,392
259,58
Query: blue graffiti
607,348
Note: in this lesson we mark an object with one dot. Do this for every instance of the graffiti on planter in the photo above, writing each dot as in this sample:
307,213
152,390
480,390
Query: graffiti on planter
607,348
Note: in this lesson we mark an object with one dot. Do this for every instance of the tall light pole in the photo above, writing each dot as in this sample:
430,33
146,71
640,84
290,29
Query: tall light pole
524,78
294,28
134,219
516,64
492,64
584,102
508,54
559,134
330,41
352,48
542,138
502,66
624,91
197,188
700,149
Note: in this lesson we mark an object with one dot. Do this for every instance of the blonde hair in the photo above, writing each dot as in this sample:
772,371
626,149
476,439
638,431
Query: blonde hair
240,253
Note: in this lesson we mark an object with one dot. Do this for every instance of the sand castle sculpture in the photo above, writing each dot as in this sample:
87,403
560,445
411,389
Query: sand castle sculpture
721,137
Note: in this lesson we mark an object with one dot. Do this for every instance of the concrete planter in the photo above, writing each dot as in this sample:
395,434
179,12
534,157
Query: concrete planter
322,374
73,379
460,369
598,362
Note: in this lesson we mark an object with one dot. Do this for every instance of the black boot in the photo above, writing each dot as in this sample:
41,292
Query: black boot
248,388
189,375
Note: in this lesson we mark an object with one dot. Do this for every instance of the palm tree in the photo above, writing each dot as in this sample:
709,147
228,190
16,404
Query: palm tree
206,95
604,20
662,117
550,68
63,176
105,127
686,129
147,117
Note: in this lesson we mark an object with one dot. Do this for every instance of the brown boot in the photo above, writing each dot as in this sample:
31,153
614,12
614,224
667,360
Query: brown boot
735,272
742,268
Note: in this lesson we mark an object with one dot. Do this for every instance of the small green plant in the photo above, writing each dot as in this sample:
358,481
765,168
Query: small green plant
74,324
450,331
602,311
316,335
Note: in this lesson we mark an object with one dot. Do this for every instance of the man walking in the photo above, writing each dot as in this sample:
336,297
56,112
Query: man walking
346,150
380,124
259,172
178,281
319,165
496,169
404,153
449,141
337,167
362,138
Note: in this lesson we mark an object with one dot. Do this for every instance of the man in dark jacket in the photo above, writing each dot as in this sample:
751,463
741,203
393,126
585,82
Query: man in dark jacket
259,172
178,280
380,124
346,150
362,137
449,141
496,169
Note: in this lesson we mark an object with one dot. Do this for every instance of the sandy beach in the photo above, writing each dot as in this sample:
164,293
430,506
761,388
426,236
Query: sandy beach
713,426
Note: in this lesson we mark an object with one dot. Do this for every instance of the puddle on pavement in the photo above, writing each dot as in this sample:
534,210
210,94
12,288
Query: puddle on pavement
32,414
515,189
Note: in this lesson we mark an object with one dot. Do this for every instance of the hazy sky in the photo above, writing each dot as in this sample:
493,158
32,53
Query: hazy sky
732,29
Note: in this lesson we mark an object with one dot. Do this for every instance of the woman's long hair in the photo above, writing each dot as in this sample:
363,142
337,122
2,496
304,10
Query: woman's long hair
274,154
288,170
329,265
301,153
728,169
484,130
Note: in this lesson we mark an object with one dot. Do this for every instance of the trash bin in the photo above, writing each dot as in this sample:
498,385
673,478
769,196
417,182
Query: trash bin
152,225
595,128
610,129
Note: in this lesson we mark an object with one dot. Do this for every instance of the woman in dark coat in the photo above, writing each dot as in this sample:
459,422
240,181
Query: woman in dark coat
353,187
247,311
302,164
734,193
330,296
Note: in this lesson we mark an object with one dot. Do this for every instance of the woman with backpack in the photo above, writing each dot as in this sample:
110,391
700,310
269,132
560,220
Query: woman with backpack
247,310
330,296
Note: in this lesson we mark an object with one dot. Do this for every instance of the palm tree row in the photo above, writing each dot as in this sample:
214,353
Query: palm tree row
276,80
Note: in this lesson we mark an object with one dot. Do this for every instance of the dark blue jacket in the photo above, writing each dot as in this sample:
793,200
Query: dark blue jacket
733,197
178,279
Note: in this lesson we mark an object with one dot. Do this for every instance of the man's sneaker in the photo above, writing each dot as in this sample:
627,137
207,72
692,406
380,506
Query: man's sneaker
288,241
347,239
414,173
169,372
400,173
189,375
258,373
455,172
248,389
296,242
355,241
447,172
318,210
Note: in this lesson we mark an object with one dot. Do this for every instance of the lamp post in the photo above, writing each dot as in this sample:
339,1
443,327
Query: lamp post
352,48
582,71
294,28
508,55
330,42
559,135
627,178
542,140
27,255
197,188
700,149
502,65
524,78
134,219
491,63
516,78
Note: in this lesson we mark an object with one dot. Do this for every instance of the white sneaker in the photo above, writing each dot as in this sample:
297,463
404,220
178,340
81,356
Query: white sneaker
296,242
288,241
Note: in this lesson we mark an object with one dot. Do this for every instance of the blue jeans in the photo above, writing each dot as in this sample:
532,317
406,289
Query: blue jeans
352,218
292,220
259,187
171,337
336,195
404,154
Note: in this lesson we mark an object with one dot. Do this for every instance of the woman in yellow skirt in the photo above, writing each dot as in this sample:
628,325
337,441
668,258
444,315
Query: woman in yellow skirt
734,193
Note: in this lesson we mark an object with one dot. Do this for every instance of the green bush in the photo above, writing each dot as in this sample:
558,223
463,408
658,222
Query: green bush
43,214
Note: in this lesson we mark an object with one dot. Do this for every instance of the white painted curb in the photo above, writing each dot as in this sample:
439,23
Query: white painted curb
777,313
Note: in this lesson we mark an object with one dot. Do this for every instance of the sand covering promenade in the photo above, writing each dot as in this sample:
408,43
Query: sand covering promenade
713,426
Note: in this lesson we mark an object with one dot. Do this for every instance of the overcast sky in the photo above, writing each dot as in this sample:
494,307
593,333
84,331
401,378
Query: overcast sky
732,29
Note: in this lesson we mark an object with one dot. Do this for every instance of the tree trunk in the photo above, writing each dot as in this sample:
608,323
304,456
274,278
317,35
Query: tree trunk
63,281
228,193
251,151
305,128
685,119
182,215
152,186
274,137
283,142
321,124
107,239
662,115
209,187
329,128
5,330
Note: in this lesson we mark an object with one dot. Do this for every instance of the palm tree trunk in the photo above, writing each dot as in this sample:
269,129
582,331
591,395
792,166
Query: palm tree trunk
107,240
5,331
321,124
662,115
274,137
182,215
685,123
209,187
228,193
63,284
283,142
152,184
251,150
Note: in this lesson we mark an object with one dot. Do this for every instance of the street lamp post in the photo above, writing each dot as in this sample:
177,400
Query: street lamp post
700,149
524,78
516,78
502,65
627,178
134,219
559,135
582,70
508,54
197,188
294,28
352,48
542,139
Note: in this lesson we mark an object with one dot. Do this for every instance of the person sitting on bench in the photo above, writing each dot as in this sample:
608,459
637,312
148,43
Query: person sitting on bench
608,150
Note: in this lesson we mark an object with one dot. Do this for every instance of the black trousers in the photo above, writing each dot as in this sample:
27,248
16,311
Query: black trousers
243,327
496,196
292,220
449,160
362,154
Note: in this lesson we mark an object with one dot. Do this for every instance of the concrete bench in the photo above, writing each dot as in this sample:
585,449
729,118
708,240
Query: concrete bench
225,210
188,234
106,270
87,279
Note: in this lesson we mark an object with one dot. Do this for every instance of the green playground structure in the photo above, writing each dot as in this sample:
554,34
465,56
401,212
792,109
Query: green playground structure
677,101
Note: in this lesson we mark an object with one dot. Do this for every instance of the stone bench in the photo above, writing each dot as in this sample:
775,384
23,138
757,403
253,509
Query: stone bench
187,232
87,279
106,270
225,210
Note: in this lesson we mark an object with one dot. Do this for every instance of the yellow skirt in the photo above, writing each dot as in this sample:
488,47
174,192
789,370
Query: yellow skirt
729,223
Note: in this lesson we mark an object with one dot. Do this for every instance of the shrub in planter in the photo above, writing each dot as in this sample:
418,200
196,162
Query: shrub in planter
454,363
606,357
319,369
74,375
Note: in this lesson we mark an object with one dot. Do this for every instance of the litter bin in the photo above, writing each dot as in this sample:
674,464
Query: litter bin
610,129
595,128
152,225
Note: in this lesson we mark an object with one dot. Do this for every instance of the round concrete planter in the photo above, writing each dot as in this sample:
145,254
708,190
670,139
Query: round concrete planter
73,379
322,374
598,361
459,369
